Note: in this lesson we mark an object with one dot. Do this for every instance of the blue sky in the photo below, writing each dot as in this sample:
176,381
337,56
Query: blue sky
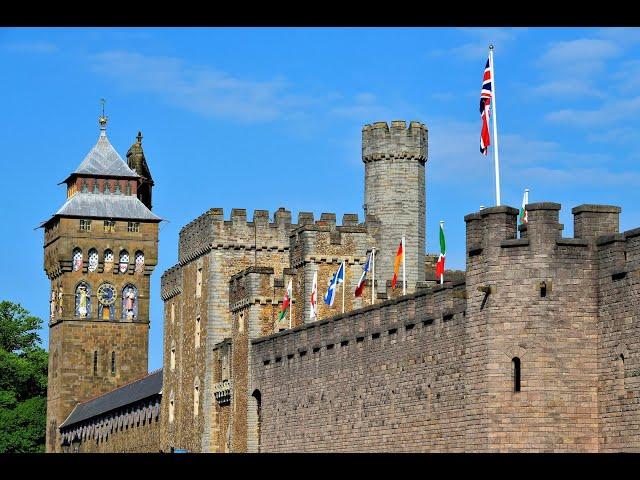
267,117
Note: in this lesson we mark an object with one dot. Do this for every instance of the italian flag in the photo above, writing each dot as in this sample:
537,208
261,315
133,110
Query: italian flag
396,265
286,301
443,251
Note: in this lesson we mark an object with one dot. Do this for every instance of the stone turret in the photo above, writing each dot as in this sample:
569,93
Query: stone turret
394,193
137,162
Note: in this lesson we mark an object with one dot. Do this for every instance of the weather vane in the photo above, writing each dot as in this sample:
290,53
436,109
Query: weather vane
103,118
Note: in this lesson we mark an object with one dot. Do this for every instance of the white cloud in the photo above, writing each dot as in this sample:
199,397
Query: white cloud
200,89
569,87
583,55
608,114
500,38
31,47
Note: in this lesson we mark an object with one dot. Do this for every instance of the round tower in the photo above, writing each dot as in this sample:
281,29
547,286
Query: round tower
394,192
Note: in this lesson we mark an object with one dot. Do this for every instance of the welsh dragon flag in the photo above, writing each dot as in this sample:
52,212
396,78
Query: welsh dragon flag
443,251
523,212
286,302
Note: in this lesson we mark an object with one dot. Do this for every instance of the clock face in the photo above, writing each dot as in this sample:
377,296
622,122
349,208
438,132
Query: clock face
107,294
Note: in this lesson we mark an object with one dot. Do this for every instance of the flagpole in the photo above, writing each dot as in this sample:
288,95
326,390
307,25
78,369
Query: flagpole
404,273
373,274
495,126
526,196
344,281
290,308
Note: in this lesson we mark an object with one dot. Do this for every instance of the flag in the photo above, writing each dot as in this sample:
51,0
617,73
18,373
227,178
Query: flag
396,265
443,251
314,296
286,302
365,268
336,280
523,212
485,101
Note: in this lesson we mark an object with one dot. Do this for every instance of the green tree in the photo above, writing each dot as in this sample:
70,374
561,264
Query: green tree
23,381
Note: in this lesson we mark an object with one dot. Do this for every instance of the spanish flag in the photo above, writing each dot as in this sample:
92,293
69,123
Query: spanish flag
396,265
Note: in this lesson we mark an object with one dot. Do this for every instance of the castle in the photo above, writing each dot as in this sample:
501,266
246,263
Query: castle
534,348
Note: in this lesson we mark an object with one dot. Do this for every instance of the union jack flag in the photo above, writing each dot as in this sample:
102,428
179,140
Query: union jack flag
485,102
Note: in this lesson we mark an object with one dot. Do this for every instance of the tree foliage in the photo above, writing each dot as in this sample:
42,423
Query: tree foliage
23,381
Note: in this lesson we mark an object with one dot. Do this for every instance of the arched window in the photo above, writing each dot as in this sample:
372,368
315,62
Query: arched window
197,332
255,419
83,300
516,373
93,259
172,360
129,302
124,261
172,405
196,397
108,260
139,262
77,259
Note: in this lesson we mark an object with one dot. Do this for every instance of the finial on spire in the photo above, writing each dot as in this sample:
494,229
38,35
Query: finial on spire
491,46
102,120
139,137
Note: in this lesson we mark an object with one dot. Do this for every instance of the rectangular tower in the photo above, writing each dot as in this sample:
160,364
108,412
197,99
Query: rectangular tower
100,249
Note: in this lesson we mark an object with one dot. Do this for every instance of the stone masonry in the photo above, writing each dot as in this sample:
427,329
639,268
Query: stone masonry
535,347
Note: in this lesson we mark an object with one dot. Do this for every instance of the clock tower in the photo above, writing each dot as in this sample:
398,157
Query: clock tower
100,249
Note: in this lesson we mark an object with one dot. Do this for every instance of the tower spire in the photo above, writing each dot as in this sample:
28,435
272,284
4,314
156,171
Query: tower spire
102,120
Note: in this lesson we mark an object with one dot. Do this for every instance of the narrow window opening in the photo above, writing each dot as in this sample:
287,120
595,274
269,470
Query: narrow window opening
196,400
375,335
543,289
516,374
95,362
173,358
197,332
113,363
199,282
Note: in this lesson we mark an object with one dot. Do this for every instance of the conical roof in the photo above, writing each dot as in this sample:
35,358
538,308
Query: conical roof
104,160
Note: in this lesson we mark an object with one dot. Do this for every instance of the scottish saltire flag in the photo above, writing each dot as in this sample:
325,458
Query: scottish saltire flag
485,101
360,287
336,280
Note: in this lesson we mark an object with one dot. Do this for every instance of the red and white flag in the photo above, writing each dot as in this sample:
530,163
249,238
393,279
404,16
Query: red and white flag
365,268
314,297
485,101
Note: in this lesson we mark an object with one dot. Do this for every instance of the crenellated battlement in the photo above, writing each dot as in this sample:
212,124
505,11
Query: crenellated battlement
326,242
211,231
171,282
380,141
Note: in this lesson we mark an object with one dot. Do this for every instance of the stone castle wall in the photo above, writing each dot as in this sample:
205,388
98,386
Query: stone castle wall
385,378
